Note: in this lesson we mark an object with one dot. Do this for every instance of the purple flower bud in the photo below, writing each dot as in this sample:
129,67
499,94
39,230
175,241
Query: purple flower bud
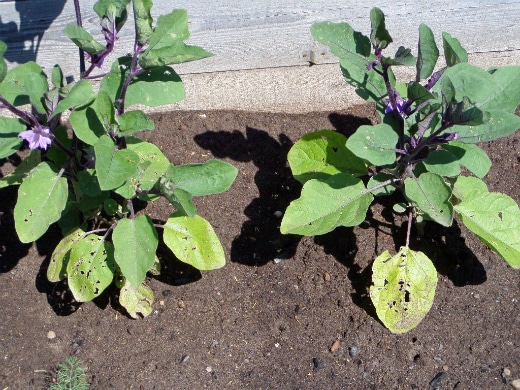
400,102
39,137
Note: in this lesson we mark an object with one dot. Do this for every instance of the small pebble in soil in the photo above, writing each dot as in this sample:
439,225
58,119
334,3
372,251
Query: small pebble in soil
51,334
181,304
353,350
278,214
209,369
326,277
516,384
77,344
434,383
334,346
318,363
167,293
184,359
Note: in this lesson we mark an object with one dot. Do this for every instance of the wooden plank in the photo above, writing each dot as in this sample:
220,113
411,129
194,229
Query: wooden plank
262,34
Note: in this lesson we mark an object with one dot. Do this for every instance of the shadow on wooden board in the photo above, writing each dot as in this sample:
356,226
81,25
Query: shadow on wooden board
23,38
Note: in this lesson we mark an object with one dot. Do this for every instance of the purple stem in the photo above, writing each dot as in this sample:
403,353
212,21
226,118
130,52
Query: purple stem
28,119
134,71
79,23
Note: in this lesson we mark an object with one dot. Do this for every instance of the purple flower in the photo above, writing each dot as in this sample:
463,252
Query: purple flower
39,137
400,102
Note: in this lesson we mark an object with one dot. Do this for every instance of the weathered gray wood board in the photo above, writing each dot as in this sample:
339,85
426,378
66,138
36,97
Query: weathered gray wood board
265,33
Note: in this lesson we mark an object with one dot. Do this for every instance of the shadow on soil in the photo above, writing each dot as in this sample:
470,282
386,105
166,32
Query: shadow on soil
260,240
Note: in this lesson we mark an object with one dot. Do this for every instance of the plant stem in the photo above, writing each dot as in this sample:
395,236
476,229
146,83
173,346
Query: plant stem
79,22
409,228
131,207
392,95
58,143
29,119
133,72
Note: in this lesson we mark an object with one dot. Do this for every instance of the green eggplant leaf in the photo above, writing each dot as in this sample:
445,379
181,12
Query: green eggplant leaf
166,46
428,53
132,122
495,219
155,87
375,144
379,35
18,83
135,243
321,154
471,156
83,39
113,166
430,194
193,241
42,197
9,141
143,20
454,53
80,94
341,200
211,177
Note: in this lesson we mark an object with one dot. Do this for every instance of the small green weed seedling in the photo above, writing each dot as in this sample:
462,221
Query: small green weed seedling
430,129
87,179
71,376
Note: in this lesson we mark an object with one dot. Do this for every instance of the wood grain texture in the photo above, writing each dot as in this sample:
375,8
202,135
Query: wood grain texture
262,34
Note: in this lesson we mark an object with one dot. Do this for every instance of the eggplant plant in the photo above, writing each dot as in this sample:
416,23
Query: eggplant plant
87,178
425,149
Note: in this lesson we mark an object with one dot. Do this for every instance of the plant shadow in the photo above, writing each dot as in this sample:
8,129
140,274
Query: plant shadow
11,248
260,240
35,17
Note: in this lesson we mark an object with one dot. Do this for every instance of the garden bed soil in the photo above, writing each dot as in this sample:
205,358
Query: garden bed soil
263,324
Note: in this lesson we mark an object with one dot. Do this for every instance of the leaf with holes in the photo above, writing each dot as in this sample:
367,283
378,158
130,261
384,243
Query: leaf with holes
57,269
135,242
41,198
90,268
136,300
152,162
403,288
193,241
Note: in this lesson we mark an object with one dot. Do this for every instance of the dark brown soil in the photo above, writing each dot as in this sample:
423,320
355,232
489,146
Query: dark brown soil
257,324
